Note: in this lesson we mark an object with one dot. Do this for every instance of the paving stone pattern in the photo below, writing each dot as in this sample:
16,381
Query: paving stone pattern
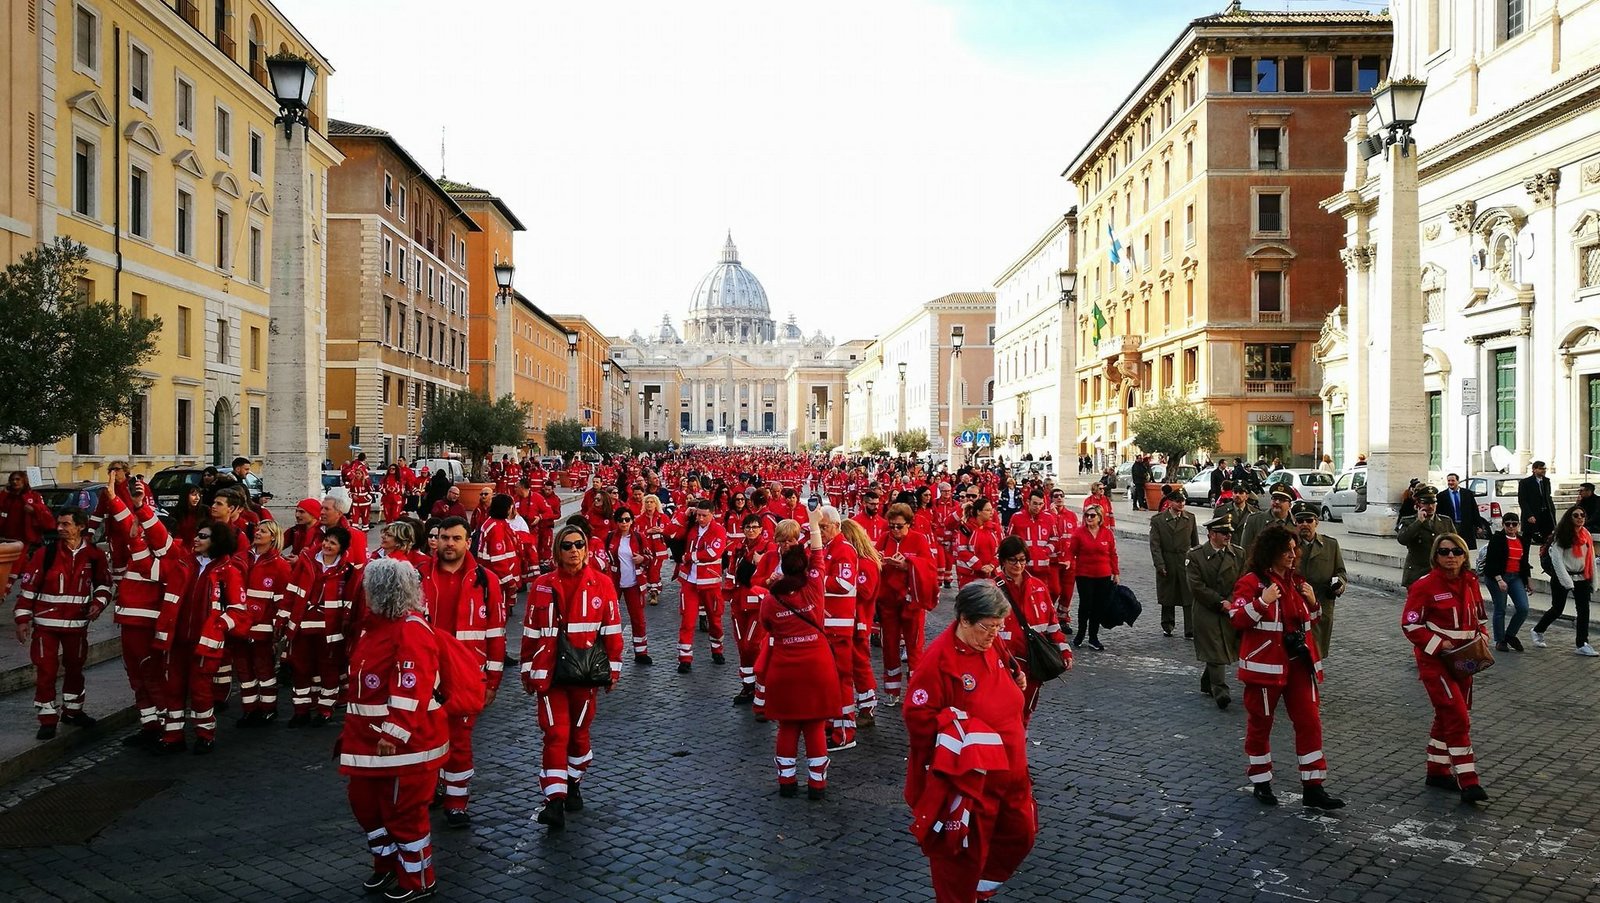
1140,784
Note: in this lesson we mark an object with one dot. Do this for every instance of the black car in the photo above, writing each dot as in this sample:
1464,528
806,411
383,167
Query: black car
62,496
168,486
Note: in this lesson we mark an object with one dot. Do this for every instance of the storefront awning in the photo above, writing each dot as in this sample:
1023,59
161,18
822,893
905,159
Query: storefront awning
1094,440
1125,443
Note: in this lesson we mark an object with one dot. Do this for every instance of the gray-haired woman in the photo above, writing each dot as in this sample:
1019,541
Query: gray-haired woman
394,731
967,777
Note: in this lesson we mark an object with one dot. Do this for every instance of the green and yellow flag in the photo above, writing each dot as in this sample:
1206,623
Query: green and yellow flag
1099,323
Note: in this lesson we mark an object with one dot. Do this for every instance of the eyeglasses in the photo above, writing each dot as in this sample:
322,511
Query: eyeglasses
1451,552
1091,515
898,525
569,546
1015,559
990,627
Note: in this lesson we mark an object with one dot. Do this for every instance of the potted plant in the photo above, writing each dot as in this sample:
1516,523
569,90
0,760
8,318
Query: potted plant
1176,429
474,423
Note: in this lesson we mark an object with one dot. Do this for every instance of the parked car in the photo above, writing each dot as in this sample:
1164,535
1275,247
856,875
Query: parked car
1497,494
330,479
451,466
1158,474
1310,485
62,496
1343,496
169,485
1198,486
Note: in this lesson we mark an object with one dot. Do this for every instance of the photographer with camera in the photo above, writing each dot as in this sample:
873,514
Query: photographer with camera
1274,610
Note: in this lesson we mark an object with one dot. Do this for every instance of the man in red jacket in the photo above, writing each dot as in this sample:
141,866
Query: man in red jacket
699,583
24,516
462,596
64,587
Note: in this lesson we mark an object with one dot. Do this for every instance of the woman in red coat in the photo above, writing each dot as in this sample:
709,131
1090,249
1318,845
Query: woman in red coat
392,490
394,735
1094,560
1032,604
652,526
909,577
266,579
967,763
799,677
628,562
755,554
1273,610
1444,612
191,632
977,544
869,571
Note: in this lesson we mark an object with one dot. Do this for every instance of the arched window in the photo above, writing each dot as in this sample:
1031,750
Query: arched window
988,392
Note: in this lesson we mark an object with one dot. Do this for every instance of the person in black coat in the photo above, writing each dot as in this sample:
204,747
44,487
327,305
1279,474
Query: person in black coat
1508,579
1537,507
1217,477
1141,475
1460,504
1589,502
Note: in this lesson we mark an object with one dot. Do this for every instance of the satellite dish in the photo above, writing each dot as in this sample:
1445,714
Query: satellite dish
1502,458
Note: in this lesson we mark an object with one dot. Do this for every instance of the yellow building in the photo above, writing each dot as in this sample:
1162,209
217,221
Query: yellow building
593,352
19,109
155,148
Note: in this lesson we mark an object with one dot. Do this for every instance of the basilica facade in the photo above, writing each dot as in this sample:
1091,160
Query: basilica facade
733,375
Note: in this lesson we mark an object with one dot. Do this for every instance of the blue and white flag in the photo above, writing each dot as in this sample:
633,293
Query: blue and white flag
1116,246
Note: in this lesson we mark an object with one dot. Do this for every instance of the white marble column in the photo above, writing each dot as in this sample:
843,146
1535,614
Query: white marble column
296,350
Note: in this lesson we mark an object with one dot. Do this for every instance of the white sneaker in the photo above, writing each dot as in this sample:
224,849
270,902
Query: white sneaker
1538,638
1586,649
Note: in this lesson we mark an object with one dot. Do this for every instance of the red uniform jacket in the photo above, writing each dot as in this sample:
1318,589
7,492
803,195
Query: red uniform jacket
24,517
588,614
394,669
498,548
953,675
876,525
1095,554
702,558
266,580
147,541
470,605
1031,601
839,573
200,602
1263,660
1441,614
916,585
976,546
324,601
72,593
1039,535
356,554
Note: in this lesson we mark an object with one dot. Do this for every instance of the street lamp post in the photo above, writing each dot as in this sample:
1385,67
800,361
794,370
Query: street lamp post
958,336
902,369
572,374
296,355
505,377
605,395
627,409
644,416
869,408
845,438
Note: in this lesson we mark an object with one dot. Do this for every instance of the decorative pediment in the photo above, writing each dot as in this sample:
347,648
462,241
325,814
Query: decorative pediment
144,135
258,203
1504,218
1435,362
224,182
1333,335
189,162
1432,277
89,104
1582,336
1588,225
1270,250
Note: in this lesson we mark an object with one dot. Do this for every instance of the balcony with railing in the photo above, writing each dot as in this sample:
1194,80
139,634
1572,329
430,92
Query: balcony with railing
1271,316
1269,387
188,12
226,44
1118,345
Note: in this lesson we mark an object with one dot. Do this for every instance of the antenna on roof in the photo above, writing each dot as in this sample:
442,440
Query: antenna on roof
441,151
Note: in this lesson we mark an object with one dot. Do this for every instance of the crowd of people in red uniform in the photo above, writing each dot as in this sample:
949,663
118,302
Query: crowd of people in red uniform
813,562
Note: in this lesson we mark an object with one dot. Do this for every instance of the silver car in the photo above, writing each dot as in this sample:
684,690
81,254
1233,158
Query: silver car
1343,497
1310,485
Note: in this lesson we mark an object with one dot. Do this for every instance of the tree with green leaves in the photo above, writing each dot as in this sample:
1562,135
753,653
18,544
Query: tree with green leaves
1175,428
871,444
910,442
69,364
610,443
564,436
474,423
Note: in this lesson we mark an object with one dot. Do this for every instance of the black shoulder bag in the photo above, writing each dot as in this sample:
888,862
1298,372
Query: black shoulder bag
575,667
1043,660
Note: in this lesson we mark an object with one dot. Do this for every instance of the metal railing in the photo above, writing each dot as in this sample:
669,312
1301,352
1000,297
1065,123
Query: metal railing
1268,386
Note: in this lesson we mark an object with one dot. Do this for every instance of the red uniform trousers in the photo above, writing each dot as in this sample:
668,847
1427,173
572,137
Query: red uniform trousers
565,714
188,692
50,651
1065,584
861,671
1450,739
749,637
258,677
456,774
693,599
361,516
634,597
317,666
902,628
788,752
393,810
392,505
144,673
1300,698
999,837
841,639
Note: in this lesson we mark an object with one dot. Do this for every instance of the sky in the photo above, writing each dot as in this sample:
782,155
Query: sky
867,155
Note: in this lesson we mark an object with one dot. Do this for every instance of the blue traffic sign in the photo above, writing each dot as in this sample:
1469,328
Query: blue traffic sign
590,438
967,437
985,439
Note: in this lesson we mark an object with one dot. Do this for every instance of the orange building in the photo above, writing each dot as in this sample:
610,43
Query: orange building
489,245
593,351
397,304
539,349
1207,180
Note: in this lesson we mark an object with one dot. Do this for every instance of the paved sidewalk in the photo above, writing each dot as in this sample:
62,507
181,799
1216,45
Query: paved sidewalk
1140,782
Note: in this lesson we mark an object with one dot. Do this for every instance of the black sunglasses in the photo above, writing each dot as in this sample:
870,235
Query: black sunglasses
1451,552
898,525
202,536
569,546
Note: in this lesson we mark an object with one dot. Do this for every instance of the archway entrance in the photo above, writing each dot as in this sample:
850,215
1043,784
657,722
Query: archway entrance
222,433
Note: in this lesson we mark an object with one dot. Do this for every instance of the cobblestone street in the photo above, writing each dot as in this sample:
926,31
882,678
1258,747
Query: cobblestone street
1140,783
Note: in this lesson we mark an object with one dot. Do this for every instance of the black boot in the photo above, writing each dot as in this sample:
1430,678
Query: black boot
789,791
1263,792
46,732
78,719
684,667
574,798
457,818
142,738
718,658
643,658
1442,781
1315,796
1474,794
745,696
553,815
816,793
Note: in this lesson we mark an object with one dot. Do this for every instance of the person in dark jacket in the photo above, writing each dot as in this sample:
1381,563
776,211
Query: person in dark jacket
1141,475
1507,570
1537,506
1460,504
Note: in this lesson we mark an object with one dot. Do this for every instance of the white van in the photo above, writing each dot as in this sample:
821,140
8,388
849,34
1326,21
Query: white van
451,466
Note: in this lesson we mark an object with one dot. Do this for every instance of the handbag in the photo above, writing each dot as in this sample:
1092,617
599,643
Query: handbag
1473,658
1044,660
576,667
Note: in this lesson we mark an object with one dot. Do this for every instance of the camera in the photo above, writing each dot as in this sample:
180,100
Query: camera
1294,643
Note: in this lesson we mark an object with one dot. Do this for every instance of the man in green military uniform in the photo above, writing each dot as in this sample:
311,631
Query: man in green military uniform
1276,513
1172,534
1417,533
1322,566
1212,570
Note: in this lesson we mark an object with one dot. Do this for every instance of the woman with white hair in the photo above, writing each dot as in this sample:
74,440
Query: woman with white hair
394,731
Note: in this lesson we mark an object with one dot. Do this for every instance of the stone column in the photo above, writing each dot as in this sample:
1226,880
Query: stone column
296,350
1397,407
